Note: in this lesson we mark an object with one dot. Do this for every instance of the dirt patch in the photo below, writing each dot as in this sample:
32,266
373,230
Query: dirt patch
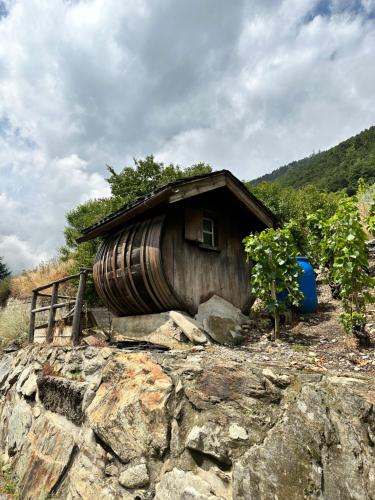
315,341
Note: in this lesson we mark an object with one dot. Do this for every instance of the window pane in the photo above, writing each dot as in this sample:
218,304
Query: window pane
208,225
208,239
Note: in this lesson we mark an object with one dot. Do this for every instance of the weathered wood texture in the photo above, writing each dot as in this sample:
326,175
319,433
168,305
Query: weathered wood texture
128,271
151,265
54,305
195,272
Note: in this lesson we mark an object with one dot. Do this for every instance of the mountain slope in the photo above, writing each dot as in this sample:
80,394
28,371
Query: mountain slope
337,168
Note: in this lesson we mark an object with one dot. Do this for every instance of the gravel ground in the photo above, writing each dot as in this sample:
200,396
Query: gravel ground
316,341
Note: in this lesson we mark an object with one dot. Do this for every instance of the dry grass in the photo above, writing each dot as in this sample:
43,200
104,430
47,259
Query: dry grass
21,286
4,291
14,323
350,343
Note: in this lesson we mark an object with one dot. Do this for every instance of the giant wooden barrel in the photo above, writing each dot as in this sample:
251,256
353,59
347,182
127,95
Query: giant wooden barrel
128,271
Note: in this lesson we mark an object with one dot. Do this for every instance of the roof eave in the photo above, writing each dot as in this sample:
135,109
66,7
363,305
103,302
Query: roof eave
188,190
122,218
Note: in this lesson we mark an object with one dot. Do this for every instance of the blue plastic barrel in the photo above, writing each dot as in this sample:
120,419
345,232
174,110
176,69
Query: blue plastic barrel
307,285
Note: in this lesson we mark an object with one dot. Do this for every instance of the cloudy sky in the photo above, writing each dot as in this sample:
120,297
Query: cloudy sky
246,85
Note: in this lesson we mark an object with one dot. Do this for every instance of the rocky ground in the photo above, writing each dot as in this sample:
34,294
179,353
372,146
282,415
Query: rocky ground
316,342
286,420
205,423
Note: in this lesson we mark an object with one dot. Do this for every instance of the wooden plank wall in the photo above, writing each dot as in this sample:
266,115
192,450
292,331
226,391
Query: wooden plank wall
196,274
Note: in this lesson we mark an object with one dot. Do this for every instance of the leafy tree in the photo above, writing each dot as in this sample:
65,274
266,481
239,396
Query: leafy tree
288,204
82,255
275,270
4,270
147,175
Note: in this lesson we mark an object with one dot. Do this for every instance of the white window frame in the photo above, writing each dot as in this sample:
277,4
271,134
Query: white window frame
211,233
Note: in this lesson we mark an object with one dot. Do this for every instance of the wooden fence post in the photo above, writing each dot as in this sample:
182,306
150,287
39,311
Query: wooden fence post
52,312
76,327
32,317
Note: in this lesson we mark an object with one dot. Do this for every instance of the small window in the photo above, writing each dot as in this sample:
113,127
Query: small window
201,228
209,232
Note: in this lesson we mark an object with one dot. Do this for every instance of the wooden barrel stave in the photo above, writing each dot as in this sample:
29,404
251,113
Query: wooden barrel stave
128,271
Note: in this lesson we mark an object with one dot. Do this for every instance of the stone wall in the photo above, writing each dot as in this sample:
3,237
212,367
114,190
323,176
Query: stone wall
200,424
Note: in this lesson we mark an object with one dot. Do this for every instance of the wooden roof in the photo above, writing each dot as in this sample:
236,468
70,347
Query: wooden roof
177,191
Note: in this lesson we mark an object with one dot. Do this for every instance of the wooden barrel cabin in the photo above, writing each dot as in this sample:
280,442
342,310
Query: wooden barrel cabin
178,246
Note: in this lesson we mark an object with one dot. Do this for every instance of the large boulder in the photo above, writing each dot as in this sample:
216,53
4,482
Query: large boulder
221,320
19,424
6,362
85,479
215,440
129,411
45,456
192,485
135,476
322,447
155,328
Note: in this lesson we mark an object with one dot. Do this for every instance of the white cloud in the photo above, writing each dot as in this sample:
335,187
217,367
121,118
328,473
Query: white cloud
247,86
20,254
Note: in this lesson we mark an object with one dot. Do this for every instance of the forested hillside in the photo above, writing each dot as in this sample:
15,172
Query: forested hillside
337,168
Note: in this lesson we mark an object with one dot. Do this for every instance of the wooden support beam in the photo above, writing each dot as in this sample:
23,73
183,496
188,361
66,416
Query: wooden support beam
32,317
66,297
76,327
56,306
52,312
57,282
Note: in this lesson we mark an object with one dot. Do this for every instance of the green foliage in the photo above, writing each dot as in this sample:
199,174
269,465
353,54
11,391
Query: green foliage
371,218
4,270
343,256
288,204
315,232
333,170
131,183
362,186
8,483
273,253
4,282
82,255
148,175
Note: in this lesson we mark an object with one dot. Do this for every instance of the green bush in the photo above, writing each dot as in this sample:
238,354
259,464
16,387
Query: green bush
273,253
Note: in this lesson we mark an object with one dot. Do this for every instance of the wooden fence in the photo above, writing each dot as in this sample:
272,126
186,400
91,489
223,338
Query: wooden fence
76,310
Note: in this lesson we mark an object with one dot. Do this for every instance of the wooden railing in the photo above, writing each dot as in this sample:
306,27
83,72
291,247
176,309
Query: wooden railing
55,304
